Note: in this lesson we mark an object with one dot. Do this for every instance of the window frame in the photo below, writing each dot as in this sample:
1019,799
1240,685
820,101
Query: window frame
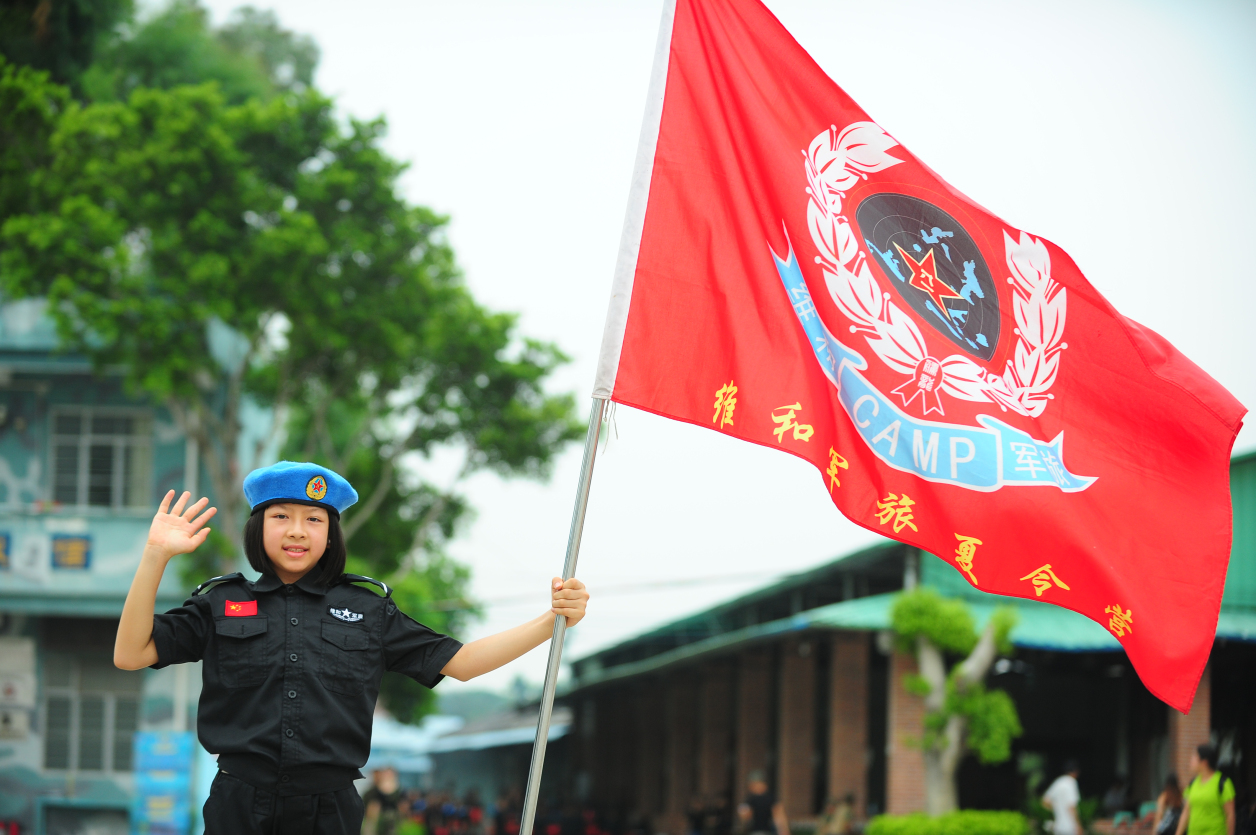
74,694
120,444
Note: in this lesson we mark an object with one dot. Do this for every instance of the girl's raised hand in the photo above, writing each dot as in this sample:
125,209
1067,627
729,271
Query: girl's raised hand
178,530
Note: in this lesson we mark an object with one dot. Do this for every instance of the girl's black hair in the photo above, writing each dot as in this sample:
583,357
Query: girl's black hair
325,572
1208,753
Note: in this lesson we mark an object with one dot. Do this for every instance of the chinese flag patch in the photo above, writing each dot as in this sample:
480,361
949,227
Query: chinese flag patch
244,609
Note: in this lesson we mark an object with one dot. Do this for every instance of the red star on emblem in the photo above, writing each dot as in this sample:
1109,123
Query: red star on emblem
924,276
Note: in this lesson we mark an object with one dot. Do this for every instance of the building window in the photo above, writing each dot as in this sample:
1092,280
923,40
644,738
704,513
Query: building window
101,458
91,713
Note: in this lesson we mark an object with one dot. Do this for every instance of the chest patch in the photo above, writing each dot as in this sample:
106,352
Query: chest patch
244,609
345,615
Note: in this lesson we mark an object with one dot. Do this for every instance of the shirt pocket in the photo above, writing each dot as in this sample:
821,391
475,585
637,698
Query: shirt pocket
345,660
241,651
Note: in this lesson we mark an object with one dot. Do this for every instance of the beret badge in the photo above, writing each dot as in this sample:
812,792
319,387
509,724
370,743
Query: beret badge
317,488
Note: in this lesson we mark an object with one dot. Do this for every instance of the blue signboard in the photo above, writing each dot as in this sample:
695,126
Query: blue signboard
73,553
163,783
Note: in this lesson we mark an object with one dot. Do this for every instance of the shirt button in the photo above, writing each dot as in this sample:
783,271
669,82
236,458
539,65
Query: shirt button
292,657
294,621
292,694
288,733
285,778
289,589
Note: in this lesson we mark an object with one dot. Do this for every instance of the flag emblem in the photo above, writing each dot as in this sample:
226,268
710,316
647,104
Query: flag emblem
317,488
240,609
934,265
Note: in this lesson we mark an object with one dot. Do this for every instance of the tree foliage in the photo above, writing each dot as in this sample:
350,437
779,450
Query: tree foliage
968,822
205,225
945,622
961,714
213,250
61,37
252,56
30,107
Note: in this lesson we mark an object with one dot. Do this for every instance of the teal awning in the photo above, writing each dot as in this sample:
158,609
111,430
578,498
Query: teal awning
1038,625
1237,624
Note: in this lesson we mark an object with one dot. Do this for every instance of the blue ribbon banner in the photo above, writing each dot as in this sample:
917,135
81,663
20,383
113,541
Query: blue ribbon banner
986,458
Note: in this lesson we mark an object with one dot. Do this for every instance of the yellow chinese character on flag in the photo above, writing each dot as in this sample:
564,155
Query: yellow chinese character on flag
725,402
836,462
1043,578
1120,622
897,508
802,431
964,553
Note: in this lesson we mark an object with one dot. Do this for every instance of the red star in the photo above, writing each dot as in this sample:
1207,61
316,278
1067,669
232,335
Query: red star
924,276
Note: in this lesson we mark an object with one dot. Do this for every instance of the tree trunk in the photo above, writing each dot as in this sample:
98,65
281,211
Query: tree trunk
943,756
214,434
941,763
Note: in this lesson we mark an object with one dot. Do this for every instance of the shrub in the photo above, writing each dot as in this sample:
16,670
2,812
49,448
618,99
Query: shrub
955,823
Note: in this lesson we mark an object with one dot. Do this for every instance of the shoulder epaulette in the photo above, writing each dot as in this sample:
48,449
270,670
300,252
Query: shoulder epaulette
221,579
358,578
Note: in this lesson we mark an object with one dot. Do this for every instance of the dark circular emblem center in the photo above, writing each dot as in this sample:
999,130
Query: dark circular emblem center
935,266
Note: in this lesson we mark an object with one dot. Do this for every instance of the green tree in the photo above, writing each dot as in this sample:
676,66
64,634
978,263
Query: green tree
61,37
251,56
30,107
961,715
231,244
218,252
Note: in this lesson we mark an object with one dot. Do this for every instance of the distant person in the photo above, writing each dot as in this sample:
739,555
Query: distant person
1209,806
839,817
695,815
384,803
1114,797
760,811
718,820
1168,807
1062,799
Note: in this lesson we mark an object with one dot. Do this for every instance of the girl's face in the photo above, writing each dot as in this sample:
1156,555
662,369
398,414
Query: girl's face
295,537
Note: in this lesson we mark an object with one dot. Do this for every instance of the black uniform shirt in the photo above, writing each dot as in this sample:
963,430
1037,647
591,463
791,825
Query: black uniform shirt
292,672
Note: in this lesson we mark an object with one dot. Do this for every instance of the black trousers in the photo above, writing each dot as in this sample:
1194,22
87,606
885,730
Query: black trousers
236,808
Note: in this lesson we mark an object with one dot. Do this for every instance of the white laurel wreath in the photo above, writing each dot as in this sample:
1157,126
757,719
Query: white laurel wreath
836,162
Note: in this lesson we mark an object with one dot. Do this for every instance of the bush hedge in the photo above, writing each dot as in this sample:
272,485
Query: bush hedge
970,822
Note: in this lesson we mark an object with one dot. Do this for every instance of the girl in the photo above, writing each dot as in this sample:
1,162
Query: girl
293,661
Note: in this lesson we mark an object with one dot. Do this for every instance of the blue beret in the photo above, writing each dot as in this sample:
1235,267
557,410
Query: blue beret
289,481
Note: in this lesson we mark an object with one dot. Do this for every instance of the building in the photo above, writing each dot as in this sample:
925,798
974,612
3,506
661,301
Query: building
489,757
801,680
82,467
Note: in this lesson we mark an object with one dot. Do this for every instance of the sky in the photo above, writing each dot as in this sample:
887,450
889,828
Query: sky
1122,131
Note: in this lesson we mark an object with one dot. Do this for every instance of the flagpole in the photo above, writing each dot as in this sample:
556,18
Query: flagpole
560,621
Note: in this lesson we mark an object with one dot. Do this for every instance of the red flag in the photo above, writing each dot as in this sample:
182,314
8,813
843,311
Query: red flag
792,276
240,609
